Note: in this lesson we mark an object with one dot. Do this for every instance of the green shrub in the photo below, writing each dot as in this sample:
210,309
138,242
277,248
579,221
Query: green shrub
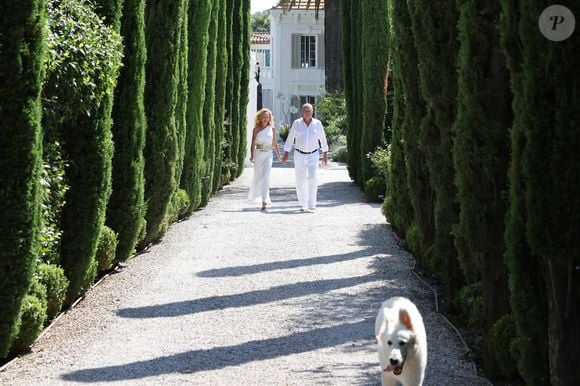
56,283
89,278
338,151
106,249
504,344
32,318
82,68
331,110
412,239
469,302
283,131
375,189
54,189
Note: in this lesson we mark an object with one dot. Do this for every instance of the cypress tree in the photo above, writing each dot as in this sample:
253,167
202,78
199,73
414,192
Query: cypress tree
420,231
374,37
237,128
526,280
220,95
81,99
209,107
230,166
182,93
481,156
347,74
397,207
198,39
352,14
126,208
22,50
434,30
549,168
244,81
164,20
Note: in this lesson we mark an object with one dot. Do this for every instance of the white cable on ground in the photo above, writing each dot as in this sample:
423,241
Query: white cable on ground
435,295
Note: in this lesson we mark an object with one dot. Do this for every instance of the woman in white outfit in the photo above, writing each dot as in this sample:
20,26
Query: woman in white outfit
308,137
263,142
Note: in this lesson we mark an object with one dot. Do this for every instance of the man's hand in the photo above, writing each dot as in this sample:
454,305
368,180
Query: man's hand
285,157
325,159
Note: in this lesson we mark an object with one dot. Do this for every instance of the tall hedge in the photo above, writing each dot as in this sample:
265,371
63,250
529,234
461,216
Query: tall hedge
198,38
526,279
420,232
82,72
351,13
229,167
434,31
244,96
397,207
546,117
375,51
209,107
126,209
164,19
220,96
182,92
481,158
22,50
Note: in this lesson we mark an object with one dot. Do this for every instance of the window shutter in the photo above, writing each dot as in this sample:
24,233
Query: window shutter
295,51
320,50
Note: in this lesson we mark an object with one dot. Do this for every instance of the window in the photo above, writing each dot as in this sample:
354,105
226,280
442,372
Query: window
307,51
262,56
298,101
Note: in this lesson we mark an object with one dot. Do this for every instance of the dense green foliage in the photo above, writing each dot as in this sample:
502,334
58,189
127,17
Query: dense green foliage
260,22
244,80
544,80
53,278
85,56
209,107
161,88
481,157
193,165
126,208
434,31
375,43
220,99
105,254
107,145
22,51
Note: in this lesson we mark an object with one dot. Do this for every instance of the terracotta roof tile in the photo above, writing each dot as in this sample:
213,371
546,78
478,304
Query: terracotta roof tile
303,4
260,38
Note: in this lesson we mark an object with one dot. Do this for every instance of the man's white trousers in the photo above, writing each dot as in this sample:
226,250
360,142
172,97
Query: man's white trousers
306,169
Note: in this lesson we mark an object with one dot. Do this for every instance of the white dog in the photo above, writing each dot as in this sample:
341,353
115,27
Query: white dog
402,343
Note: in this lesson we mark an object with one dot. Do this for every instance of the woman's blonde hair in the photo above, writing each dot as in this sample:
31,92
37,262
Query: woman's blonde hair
260,114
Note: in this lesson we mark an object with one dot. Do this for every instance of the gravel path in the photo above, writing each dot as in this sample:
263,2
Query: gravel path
236,296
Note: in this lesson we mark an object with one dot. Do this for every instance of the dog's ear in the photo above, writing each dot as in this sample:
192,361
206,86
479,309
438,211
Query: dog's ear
405,319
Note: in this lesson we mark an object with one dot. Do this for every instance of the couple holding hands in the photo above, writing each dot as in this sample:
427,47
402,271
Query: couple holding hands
307,136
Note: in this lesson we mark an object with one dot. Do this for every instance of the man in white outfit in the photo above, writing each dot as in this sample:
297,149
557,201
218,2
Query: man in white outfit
308,137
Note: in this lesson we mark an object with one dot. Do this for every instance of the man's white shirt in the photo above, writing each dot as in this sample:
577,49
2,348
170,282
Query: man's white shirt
306,136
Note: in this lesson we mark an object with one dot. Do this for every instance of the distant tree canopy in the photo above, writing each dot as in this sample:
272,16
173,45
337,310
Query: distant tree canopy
260,22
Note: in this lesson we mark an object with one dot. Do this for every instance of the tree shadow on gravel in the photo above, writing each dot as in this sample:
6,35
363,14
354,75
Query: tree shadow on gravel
280,265
213,303
222,357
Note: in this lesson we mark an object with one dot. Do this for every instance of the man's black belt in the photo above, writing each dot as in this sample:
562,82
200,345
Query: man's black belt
306,152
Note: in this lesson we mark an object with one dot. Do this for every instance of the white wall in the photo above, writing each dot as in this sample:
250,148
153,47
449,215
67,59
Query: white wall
287,80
